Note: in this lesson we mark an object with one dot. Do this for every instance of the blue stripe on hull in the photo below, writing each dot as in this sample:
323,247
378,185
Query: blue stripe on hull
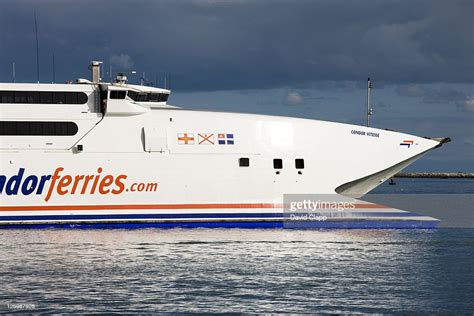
363,224
196,215
140,216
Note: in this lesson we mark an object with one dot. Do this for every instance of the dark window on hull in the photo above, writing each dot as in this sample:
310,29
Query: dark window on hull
43,97
32,96
24,128
118,94
7,97
46,97
244,162
299,163
277,163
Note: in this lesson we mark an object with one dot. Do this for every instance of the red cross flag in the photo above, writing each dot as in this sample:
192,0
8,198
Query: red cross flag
185,139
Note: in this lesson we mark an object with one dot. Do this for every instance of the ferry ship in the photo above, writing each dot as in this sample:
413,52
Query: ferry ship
93,154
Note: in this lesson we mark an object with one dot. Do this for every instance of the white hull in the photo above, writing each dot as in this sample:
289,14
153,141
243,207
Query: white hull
185,176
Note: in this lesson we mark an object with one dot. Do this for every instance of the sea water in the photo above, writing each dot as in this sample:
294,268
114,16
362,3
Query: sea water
237,270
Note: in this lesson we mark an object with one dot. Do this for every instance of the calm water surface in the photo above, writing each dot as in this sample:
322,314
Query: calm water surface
236,270
427,186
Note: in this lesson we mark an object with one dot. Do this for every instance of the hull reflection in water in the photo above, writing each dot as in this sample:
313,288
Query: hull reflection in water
235,270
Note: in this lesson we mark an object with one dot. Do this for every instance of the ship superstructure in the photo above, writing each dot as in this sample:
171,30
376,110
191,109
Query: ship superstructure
95,154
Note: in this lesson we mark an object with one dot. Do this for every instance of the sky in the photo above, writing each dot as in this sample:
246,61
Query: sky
296,58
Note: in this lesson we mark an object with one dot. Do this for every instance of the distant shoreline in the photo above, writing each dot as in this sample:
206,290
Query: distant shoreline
437,175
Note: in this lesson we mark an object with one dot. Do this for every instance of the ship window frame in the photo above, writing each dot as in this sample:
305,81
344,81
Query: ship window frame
59,97
7,97
32,97
143,97
43,97
46,97
163,97
82,98
299,163
277,163
118,94
244,162
38,128
132,95
153,97
147,97
20,98
70,98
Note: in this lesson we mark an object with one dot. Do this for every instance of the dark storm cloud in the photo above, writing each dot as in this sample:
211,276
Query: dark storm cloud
212,45
438,94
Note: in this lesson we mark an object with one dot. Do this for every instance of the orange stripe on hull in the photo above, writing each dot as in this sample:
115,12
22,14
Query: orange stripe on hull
158,207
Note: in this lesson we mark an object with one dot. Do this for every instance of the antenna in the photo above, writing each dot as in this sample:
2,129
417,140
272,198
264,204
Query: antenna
37,51
13,71
54,71
369,110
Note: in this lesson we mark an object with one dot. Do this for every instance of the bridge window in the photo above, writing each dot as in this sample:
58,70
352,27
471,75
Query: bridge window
143,97
299,163
132,95
163,97
147,97
118,94
244,162
277,163
36,128
153,97
43,97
